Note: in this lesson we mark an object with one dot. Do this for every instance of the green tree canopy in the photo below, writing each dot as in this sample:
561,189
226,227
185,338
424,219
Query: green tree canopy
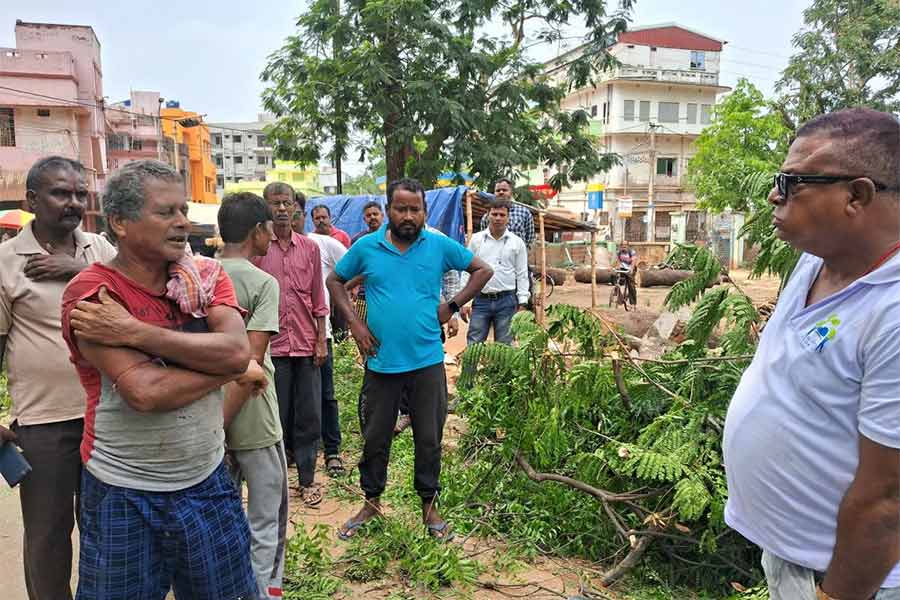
423,80
744,137
848,55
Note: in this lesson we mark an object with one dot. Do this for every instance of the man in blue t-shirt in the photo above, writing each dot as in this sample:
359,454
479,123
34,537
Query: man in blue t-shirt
403,266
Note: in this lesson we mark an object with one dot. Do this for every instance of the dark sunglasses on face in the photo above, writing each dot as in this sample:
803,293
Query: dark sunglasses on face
784,181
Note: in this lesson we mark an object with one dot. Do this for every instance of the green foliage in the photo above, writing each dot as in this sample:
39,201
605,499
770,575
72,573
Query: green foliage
706,268
5,401
743,137
307,565
847,55
775,256
439,94
565,415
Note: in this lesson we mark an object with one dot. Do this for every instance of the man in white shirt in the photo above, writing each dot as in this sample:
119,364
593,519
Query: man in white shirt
330,251
507,291
812,437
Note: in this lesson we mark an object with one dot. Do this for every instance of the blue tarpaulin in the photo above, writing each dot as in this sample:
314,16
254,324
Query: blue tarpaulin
444,211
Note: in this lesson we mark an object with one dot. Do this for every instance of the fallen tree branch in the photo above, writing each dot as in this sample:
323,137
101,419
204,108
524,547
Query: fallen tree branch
603,495
631,559
620,384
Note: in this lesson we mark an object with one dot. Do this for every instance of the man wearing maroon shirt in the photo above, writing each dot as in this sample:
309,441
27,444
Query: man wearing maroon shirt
321,216
300,347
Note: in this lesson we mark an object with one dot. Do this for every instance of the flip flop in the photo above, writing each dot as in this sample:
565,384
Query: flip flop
311,496
348,530
334,465
440,532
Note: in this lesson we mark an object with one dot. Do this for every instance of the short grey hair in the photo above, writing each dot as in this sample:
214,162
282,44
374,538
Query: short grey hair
38,171
124,194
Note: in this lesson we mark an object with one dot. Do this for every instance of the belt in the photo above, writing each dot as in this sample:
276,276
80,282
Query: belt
496,295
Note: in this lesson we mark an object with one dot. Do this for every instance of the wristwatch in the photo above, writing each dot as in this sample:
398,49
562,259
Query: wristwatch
454,307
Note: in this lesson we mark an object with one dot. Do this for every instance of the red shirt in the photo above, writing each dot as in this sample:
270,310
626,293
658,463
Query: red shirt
341,236
302,294
122,447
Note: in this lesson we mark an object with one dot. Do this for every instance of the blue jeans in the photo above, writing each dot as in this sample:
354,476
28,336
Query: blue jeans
496,313
788,581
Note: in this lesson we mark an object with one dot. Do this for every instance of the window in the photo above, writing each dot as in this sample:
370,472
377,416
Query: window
668,112
146,121
705,110
261,140
691,114
652,48
219,162
629,110
666,166
238,160
262,160
7,127
605,113
137,145
594,110
116,142
645,110
43,112
698,60
236,139
217,140
220,181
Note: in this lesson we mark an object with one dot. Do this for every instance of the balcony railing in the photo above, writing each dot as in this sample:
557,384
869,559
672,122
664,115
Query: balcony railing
666,75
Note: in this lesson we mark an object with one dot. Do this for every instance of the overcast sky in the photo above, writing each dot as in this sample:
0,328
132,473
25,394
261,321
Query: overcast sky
208,54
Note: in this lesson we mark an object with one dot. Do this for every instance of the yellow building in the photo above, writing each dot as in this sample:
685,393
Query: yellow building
302,179
191,151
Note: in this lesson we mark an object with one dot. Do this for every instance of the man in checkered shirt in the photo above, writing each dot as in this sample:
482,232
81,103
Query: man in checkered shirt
521,222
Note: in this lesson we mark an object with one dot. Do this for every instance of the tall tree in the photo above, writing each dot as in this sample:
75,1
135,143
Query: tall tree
848,55
424,81
745,137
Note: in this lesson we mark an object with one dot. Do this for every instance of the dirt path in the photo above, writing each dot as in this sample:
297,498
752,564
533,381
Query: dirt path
544,578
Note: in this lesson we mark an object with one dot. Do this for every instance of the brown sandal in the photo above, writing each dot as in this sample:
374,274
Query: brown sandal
311,496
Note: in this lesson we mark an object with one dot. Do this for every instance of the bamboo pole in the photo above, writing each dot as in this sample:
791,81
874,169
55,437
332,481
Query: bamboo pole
593,270
469,224
543,289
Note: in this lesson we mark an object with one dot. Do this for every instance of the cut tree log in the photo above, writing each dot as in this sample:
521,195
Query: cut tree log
557,276
583,275
666,277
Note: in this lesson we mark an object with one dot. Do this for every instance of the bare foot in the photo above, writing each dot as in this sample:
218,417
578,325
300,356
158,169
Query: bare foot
370,510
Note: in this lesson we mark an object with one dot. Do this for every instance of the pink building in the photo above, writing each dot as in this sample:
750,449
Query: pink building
134,130
51,102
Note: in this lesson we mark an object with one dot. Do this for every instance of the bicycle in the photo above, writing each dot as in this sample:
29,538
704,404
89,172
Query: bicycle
619,293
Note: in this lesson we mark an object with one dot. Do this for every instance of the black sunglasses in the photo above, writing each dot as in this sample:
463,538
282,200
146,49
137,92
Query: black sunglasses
784,181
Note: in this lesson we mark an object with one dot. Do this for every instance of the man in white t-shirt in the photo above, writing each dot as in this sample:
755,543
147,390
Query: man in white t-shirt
813,431
330,251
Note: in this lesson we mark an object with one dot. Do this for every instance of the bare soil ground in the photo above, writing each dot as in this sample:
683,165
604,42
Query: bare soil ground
544,578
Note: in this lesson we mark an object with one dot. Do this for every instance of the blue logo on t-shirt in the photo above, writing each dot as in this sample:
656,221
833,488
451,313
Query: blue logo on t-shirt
823,332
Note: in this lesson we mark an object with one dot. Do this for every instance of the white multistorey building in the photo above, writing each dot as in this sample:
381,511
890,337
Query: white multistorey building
649,110
240,151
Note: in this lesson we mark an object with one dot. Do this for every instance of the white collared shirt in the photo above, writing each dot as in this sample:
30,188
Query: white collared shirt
508,256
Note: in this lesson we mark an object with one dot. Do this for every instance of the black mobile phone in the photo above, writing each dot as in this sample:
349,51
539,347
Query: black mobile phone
13,465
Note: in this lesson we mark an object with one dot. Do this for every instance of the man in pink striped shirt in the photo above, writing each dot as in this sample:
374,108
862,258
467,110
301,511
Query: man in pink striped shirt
300,347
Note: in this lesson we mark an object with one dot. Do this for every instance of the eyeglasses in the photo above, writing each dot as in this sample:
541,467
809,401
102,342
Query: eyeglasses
784,181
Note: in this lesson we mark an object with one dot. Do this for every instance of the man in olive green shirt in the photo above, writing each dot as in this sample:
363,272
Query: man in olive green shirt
252,424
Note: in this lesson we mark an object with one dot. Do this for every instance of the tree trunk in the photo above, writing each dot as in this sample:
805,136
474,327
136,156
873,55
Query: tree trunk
665,277
583,275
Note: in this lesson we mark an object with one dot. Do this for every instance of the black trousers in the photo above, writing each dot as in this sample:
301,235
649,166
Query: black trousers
49,496
298,385
426,392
